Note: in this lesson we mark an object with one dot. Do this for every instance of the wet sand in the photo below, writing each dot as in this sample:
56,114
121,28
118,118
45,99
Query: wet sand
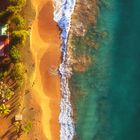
45,46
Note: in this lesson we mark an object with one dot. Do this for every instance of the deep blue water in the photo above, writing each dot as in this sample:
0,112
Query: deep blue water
107,95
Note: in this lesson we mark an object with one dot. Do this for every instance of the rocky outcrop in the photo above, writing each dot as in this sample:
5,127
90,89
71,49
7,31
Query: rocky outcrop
84,14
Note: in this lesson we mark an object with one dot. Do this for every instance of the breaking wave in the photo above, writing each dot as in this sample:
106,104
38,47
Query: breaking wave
62,15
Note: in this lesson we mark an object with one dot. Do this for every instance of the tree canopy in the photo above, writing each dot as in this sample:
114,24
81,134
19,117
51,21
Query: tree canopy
18,37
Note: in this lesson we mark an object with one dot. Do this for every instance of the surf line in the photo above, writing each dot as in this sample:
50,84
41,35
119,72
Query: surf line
62,15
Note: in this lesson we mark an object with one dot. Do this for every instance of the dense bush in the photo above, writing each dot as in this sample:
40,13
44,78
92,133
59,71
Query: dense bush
18,37
18,74
19,3
18,21
27,127
16,24
13,10
4,109
15,54
7,15
5,65
5,91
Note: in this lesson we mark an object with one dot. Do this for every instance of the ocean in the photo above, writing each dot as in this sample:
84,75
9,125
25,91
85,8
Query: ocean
106,96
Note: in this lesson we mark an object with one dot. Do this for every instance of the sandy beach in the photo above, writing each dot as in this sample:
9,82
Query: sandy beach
45,47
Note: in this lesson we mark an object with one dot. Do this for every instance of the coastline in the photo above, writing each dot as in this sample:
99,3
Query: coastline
43,103
101,102
42,97
72,94
62,15
67,23
46,52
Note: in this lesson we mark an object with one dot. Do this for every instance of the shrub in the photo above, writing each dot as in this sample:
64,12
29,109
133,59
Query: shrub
18,74
6,15
4,109
18,21
19,3
5,91
15,54
13,10
27,127
18,37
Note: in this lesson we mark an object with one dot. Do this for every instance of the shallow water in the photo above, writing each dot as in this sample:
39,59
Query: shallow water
107,95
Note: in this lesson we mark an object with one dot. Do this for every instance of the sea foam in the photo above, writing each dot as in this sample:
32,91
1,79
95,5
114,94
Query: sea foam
63,10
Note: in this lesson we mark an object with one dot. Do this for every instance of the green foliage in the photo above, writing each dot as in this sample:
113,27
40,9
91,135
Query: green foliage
5,91
18,37
15,54
1,74
12,10
22,127
18,21
5,65
6,15
27,127
18,74
16,24
8,93
4,109
17,125
19,3
4,73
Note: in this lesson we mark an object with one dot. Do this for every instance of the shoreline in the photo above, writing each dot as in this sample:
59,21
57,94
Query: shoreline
45,46
51,114
62,15
43,102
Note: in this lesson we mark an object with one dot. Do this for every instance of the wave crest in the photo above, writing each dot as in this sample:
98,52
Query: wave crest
63,10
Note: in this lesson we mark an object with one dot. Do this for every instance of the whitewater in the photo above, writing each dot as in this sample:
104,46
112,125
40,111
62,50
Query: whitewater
63,10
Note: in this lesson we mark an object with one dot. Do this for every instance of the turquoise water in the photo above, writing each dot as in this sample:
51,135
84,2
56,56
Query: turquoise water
107,95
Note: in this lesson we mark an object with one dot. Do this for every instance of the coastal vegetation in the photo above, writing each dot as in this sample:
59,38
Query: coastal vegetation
18,22
4,109
5,92
14,54
18,37
13,18
12,69
22,127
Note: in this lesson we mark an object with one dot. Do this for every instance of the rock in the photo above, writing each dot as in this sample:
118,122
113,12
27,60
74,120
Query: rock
78,29
82,63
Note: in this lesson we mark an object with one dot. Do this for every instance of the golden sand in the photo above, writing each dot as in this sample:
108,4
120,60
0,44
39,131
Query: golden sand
45,46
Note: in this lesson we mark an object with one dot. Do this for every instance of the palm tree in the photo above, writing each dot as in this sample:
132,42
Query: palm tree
17,126
5,91
4,109
8,94
27,127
